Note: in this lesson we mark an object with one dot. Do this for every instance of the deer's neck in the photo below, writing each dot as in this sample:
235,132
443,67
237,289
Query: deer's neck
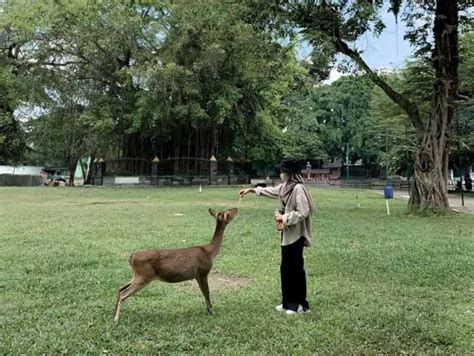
216,242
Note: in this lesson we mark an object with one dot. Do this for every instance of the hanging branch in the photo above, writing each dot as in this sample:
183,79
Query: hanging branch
406,104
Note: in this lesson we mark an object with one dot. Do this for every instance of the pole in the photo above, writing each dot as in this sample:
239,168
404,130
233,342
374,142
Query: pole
386,153
347,162
460,162
407,158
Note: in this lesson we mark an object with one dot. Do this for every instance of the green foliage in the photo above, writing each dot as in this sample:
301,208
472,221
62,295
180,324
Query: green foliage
12,140
323,120
393,138
463,142
66,133
220,73
206,77
302,136
416,81
153,71
12,135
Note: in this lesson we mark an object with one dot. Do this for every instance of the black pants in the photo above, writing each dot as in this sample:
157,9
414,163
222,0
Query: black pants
293,276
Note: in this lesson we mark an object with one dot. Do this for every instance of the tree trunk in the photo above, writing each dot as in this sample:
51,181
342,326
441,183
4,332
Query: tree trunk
214,143
72,170
197,169
188,159
430,191
177,147
90,170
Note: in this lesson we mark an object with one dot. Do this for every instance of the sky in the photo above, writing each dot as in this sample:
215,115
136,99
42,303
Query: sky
389,50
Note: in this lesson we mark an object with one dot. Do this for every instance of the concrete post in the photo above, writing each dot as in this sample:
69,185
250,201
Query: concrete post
212,168
154,170
230,169
100,172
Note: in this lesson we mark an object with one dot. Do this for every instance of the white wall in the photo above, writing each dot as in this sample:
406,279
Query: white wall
24,170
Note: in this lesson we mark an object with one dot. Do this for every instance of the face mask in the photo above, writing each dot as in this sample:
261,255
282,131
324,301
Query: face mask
284,177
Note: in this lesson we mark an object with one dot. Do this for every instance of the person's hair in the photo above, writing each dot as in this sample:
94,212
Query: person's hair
290,165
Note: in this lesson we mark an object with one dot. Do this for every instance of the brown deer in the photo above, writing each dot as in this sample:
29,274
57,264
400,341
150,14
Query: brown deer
176,265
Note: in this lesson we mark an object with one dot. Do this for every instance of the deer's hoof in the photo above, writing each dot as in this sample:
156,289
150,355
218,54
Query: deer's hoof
210,311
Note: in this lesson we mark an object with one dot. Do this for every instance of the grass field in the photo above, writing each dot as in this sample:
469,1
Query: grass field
376,283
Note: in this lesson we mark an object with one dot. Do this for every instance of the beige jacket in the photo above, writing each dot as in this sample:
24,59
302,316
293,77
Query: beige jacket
296,218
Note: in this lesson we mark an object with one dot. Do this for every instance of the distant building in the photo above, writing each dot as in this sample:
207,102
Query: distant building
22,170
329,171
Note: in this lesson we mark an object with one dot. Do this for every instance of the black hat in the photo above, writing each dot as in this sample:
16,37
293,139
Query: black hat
289,164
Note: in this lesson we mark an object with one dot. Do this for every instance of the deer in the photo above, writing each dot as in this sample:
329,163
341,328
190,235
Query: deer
176,265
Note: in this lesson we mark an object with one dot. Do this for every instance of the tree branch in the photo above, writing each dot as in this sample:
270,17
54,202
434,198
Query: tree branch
55,64
464,103
406,104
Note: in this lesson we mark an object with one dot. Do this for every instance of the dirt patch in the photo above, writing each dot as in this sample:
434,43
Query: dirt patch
218,281
115,202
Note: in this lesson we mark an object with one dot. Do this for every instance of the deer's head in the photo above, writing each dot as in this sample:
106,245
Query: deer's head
224,216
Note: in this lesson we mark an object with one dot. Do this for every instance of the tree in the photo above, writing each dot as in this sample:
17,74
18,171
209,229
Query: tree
342,23
67,131
12,136
219,85
301,131
323,120
177,79
393,138
463,141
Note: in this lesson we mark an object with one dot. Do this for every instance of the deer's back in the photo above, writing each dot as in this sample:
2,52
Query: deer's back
172,265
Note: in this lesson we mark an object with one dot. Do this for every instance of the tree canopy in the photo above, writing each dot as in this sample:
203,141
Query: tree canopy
188,80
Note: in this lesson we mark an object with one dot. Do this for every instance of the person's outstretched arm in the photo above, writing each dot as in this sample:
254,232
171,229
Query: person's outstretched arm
269,192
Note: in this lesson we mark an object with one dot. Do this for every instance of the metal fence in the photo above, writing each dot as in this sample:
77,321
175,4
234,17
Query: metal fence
169,172
16,180
128,166
183,166
172,180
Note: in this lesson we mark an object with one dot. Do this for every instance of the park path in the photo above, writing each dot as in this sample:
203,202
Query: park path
454,200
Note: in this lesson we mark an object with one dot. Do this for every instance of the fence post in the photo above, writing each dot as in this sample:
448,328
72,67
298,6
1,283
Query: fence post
94,171
154,170
99,171
212,168
230,169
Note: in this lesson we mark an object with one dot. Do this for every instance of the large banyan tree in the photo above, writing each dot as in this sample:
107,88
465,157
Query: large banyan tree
175,79
333,26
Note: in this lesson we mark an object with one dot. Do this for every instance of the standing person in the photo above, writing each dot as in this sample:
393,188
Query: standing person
294,219
308,170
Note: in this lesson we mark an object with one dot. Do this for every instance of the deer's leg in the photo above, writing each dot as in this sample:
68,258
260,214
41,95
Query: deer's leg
202,281
126,291
118,303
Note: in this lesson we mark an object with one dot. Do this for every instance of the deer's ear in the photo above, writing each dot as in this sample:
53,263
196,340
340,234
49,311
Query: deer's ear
212,212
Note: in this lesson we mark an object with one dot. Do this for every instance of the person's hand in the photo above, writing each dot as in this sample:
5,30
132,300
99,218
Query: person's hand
278,216
243,192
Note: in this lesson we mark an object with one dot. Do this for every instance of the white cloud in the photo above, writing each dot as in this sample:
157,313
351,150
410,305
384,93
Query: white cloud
333,76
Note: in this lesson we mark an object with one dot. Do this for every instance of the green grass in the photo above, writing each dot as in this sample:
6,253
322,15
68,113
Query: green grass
376,283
